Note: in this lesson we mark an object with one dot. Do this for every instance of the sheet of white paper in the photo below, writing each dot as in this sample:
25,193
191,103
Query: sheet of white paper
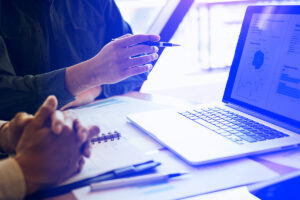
289,158
108,156
110,115
200,180
231,194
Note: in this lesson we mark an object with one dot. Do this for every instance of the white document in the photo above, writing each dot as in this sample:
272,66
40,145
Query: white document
289,158
240,193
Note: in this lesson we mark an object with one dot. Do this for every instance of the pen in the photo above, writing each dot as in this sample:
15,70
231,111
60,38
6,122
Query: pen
144,179
159,44
130,170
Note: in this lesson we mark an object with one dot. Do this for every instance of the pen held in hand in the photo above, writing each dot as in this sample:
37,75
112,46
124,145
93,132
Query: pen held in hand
144,179
159,44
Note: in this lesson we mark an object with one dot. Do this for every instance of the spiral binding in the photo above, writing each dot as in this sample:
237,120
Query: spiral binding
106,137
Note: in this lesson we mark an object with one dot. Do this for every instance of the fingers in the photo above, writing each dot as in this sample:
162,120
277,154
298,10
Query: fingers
86,149
61,120
85,132
93,131
123,36
80,165
137,61
69,120
83,98
18,123
57,122
82,133
14,130
138,70
44,112
140,49
136,39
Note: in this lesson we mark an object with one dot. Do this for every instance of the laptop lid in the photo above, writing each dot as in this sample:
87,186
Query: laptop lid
168,20
265,73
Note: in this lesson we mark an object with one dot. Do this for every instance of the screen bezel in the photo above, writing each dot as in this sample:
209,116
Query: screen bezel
237,57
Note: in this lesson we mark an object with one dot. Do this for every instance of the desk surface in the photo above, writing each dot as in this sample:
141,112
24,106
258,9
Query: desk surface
158,98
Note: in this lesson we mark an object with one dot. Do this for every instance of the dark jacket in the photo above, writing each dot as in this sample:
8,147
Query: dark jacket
40,38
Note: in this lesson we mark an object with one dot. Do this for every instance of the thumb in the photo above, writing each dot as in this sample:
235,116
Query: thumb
45,111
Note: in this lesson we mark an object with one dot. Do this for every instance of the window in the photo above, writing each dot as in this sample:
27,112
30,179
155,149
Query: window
208,35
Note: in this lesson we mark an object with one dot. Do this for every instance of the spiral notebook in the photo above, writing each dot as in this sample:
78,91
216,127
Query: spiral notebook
110,150
106,137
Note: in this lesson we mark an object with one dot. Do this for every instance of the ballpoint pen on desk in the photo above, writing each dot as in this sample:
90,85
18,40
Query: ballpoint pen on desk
144,179
131,170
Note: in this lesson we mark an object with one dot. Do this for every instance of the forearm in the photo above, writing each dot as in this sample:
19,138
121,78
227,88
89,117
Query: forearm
26,94
77,80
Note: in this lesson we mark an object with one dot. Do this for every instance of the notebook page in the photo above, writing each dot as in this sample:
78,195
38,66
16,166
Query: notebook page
107,156
110,115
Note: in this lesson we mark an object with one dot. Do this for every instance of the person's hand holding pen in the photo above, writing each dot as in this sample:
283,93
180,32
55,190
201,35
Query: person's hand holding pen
123,57
115,62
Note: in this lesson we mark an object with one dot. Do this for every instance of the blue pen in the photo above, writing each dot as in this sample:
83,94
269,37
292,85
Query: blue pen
159,44
131,170
144,179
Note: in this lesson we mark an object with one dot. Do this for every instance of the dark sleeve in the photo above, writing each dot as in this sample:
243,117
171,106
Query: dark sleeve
116,27
26,93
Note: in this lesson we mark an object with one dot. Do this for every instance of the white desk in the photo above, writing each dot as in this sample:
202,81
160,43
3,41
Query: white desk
162,99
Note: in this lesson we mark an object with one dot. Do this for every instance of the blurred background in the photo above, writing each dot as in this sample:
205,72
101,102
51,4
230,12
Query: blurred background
208,35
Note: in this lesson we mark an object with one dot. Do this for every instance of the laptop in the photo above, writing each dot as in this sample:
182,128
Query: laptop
260,109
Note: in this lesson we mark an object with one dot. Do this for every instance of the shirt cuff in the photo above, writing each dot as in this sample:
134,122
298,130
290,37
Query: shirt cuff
2,155
12,184
53,83
2,123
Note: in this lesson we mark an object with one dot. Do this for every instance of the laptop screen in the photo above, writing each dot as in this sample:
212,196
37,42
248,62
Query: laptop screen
265,74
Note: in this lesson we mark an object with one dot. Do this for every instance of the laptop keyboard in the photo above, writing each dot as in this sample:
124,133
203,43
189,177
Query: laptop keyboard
232,126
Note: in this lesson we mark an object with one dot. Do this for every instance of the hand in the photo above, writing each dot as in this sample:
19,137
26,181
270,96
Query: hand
47,158
66,119
86,97
115,62
11,132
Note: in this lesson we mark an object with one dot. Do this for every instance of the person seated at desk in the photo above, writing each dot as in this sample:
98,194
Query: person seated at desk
49,148
65,48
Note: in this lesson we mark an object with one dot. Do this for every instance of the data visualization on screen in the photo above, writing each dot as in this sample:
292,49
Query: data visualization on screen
268,75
